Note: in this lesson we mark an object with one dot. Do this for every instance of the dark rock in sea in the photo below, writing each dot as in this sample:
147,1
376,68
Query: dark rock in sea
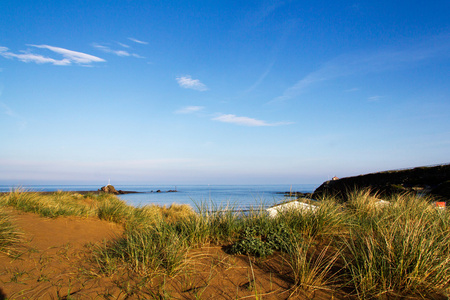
292,194
433,180
169,191
295,194
109,189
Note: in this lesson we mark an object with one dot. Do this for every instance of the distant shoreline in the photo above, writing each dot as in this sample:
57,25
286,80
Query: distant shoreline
74,192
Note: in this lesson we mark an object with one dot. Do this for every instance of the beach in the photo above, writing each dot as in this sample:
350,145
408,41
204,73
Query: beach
68,245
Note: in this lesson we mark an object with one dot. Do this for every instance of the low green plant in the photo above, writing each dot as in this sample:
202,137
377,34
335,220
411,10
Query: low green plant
252,243
261,243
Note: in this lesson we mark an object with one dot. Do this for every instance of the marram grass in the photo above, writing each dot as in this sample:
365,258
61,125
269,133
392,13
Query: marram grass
9,234
104,206
398,249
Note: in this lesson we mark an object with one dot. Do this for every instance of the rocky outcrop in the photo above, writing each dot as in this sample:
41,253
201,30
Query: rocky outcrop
429,180
169,191
295,194
109,189
442,190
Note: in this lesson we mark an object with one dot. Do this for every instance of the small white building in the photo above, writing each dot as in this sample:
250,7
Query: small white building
291,205
382,203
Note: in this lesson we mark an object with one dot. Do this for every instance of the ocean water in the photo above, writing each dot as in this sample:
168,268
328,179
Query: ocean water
236,196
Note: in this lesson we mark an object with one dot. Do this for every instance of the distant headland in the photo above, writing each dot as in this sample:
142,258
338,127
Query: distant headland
428,180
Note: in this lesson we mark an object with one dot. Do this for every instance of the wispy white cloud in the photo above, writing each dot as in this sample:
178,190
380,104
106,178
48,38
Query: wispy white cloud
188,83
189,109
137,41
69,56
5,109
267,9
122,53
370,62
374,98
299,87
123,45
245,121
352,90
72,56
137,55
30,57
109,50
261,78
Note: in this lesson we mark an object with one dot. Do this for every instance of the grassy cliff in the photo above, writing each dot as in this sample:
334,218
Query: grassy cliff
426,180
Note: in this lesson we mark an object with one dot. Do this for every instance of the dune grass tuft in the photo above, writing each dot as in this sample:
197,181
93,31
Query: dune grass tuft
52,205
398,249
9,234
148,251
105,206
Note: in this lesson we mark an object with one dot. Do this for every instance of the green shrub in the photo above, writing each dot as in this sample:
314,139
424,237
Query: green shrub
252,243
261,243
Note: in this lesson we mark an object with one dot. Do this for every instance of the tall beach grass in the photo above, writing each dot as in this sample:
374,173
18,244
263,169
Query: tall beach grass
9,234
60,203
398,248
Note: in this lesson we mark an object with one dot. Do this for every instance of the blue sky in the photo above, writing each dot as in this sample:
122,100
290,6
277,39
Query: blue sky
221,92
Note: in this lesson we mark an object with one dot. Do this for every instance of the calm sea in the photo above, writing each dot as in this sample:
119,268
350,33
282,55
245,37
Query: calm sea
238,196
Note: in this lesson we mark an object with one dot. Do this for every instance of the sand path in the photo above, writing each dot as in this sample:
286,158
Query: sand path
52,258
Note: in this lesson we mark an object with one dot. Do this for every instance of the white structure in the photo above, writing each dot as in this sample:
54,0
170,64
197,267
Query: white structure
382,203
291,205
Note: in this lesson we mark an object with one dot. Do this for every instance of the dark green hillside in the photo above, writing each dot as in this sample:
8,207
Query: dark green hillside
433,180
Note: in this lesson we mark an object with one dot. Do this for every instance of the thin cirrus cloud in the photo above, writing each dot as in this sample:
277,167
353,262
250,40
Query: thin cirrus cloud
245,121
122,53
261,78
69,56
5,109
109,50
137,41
123,45
374,98
189,109
376,61
188,83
